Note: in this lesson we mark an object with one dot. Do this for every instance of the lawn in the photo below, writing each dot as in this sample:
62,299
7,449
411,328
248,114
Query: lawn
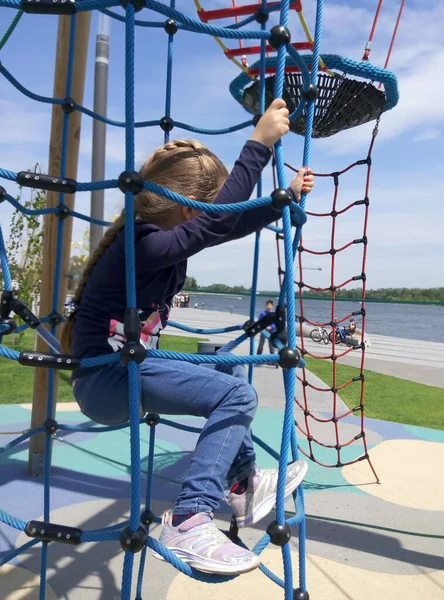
387,398
16,381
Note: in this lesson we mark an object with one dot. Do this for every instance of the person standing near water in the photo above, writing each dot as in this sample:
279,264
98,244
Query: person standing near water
269,308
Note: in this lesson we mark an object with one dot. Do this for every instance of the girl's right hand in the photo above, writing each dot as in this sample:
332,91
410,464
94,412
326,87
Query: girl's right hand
273,124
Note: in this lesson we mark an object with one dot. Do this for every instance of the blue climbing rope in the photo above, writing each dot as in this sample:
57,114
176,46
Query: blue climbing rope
290,215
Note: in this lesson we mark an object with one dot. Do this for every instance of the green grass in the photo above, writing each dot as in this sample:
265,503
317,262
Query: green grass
387,398
16,381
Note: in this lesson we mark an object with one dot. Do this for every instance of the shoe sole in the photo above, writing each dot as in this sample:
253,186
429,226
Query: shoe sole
267,504
209,566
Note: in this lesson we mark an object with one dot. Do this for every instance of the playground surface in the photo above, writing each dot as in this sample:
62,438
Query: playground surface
364,539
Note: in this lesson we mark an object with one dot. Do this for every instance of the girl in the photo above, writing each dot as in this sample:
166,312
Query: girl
166,235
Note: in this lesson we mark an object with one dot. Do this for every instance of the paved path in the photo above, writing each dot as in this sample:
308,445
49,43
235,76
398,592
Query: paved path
415,360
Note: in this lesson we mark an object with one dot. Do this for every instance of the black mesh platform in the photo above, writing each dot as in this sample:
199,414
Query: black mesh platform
341,104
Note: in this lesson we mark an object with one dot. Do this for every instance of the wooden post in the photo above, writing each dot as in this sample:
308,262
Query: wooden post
39,402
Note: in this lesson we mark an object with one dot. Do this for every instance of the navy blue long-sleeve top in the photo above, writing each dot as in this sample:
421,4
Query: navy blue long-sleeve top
161,264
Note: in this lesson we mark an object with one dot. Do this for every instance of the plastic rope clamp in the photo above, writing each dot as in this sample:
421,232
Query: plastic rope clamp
46,182
51,532
49,7
49,361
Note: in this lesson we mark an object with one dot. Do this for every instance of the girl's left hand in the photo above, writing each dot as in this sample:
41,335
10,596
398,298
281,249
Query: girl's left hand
303,182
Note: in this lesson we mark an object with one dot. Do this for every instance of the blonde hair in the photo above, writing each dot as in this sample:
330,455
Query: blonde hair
186,167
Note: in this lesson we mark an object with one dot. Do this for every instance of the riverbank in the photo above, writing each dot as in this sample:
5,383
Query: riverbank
419,361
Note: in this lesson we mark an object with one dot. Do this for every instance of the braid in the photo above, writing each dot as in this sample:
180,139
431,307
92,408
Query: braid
109,237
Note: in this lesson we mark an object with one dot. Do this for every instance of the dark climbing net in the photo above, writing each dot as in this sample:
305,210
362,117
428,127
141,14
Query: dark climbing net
134,534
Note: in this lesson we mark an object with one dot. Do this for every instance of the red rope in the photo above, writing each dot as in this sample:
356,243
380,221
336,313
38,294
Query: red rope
368,46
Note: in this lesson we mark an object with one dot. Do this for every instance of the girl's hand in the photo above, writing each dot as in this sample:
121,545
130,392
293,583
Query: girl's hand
303,182
273,124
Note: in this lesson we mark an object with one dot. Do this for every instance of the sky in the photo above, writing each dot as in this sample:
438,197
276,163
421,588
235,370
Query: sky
405,231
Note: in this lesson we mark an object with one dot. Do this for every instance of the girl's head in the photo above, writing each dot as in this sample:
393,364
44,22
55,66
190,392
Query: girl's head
186,167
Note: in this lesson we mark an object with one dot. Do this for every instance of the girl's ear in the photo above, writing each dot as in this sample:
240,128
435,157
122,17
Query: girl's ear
187,212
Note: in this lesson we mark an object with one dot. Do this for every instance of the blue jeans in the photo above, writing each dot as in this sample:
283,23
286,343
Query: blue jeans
224,452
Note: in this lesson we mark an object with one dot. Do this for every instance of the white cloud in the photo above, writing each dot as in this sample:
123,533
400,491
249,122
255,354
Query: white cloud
428,135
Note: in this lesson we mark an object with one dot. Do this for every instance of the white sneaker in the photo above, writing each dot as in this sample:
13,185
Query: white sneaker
260,496
198,542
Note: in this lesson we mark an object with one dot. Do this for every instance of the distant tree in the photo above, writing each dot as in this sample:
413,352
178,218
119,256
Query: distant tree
25,248
190,283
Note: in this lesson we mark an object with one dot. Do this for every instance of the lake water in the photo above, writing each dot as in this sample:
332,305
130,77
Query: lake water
414,321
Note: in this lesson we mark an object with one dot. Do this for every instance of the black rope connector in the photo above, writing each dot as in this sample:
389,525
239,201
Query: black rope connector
166,124
62,212
304,352
280,198
12,325
256,119
311,457
133,541
170,26
147,517
362,240
55,318
130,182
335,176
51,426
49,361
49,7
152,419
21,310
68,105
279,35
334,390
339,464
300,284
360,435
310,94
247,325
301,248
280,270
305,383
6,303
333,357
298,594
338,446
134,352
310,438
358,408
306,413
3,194
332,251
51,532
279,534
334,419
365,201
261,16
138,4
279,236
332,288
334,213
360,377
332,323
288,358
49,183
365,161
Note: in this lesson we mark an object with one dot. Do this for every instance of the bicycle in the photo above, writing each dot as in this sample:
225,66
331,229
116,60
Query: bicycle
319,334
342,337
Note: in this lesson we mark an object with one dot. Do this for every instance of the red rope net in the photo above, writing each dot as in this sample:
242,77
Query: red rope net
334,250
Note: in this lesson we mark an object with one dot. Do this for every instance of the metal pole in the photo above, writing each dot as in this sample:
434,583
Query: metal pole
99,128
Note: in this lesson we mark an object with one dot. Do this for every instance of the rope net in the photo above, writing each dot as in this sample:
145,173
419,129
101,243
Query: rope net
134,535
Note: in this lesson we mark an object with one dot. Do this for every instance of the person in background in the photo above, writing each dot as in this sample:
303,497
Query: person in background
352,327
269,308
